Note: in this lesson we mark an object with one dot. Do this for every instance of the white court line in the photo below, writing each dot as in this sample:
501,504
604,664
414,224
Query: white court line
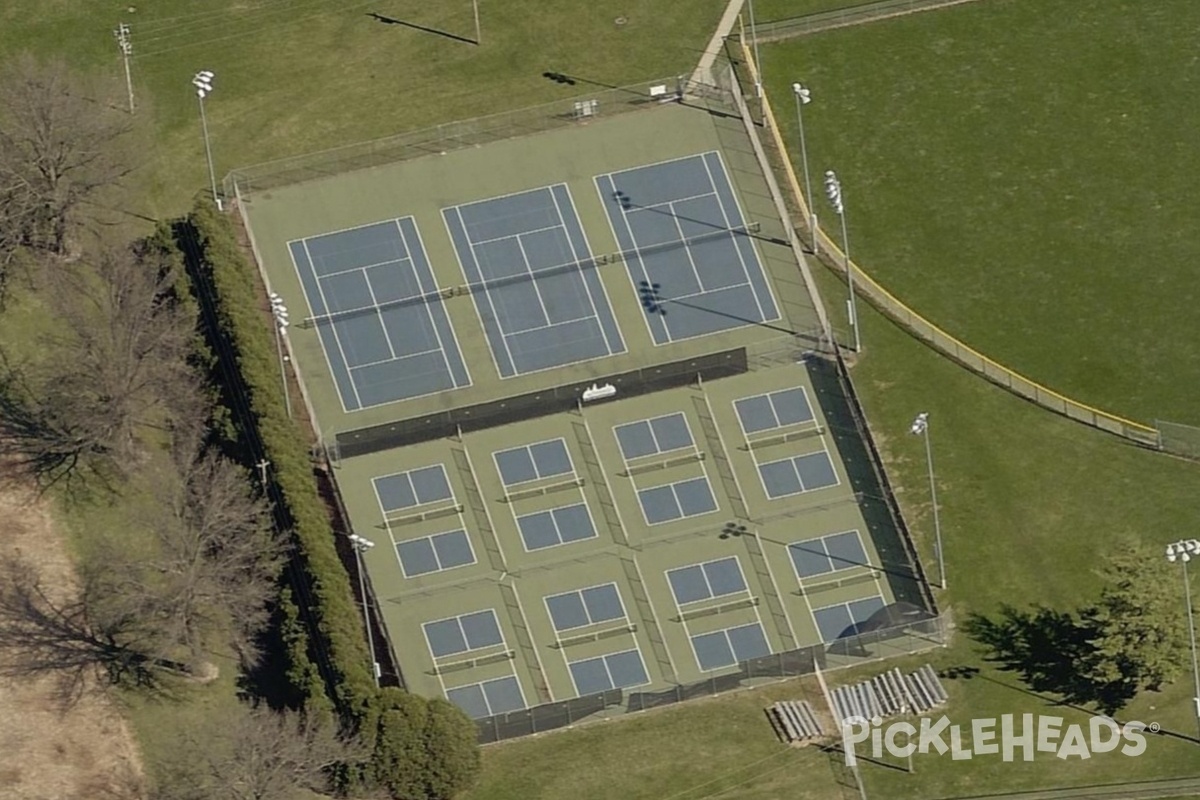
655,618
661,163
687,250
616,587
590,253
487,292
605,199
824,449
762,264
725,216
358,269
533,280
529,447
691,445
487,514
379,314
536,655
446,212
429,308
512,235
333,327
503,643
656,206
562,222
392,360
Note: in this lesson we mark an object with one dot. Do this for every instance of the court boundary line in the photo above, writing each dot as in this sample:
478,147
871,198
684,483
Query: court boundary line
375,488
403,238
464,530
332,328
853,621
636,249
656,619
747,434
591,258
483,502
457,211
605,199
505,336
458,618
429,311
691,445
746,504
741,216
616,587
528,447
516,678
537,656
517,523
821,537
637,648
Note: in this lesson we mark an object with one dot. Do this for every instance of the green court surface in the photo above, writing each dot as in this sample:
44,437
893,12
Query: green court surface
617,545
423,187
647,541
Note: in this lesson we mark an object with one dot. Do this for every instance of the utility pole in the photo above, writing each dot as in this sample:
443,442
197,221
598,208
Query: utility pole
126,48
262,472
475,9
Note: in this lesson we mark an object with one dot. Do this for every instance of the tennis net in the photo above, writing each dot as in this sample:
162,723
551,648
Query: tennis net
619,257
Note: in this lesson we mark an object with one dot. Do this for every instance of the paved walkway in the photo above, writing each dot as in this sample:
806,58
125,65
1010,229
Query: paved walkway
703,73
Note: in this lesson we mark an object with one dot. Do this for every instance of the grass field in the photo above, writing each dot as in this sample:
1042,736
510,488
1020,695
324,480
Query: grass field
1018,171
293,77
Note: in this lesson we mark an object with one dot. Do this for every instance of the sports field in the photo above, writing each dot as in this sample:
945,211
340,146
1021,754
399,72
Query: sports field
994,184
632,544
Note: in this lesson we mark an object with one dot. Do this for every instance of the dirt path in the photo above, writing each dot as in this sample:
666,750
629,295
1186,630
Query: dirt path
49,751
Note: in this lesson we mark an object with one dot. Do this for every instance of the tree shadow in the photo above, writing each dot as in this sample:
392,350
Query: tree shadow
1052,651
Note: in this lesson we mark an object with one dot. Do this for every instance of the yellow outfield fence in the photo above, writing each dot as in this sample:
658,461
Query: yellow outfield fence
925,330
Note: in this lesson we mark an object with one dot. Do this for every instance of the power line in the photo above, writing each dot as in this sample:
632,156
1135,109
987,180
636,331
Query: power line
251,32
720,778
224,19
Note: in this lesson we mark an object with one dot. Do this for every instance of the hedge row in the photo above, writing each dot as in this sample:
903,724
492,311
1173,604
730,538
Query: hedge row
338,621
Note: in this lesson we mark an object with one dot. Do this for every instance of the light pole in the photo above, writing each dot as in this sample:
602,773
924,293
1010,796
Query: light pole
758,76
204,86
833,190
361,546
803,98
280,314
1183,551
920,427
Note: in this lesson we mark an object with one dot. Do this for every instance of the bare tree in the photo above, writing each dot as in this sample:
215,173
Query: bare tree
101,625
255,754
61,144
218,555
120,347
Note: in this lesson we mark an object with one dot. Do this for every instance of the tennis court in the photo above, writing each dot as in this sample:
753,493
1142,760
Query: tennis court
529,269
688,242
372,298
578,553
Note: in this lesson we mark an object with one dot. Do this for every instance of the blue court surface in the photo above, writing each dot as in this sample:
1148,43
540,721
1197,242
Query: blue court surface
375,305
681,230
533,280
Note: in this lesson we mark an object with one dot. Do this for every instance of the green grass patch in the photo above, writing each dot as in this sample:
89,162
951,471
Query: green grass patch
297,77
1019,172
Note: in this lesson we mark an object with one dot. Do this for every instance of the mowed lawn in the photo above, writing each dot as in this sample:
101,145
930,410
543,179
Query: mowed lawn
294,77
1023,173
1029,500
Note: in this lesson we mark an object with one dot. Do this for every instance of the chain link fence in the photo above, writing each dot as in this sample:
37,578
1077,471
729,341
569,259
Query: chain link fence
777,30
604,101
850,651
1180,440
